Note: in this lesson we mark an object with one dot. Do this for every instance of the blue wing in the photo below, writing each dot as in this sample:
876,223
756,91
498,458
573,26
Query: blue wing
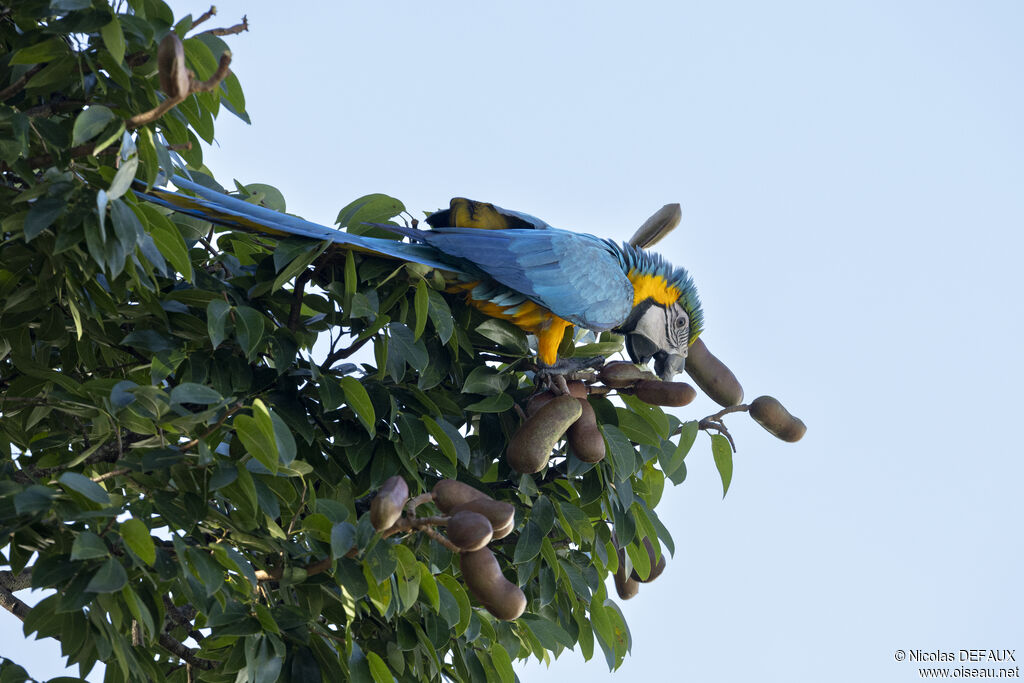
576,276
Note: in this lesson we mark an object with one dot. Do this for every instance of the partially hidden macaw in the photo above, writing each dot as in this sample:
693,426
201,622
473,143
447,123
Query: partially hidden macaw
511,266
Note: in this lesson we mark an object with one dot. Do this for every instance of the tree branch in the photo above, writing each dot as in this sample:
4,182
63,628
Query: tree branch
13,605
16,87
183,653
194,86
16,582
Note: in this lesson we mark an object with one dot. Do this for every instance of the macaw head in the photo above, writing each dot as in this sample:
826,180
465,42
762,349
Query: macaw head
666,317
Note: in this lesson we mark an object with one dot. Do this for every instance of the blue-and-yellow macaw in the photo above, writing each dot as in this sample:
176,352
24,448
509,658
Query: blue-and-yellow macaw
511,266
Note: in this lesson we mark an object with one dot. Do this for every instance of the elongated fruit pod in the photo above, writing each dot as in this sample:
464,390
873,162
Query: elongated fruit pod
712,376
673,394
620,374
530,447
656,567
386,507
501,515
170,64
448,493
483,577
625,585
773,416
576,388
585,438
469,530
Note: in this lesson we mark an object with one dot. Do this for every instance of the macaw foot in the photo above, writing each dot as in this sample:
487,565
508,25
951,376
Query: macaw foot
552,377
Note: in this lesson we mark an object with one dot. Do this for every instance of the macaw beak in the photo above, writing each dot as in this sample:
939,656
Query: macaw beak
641,349
668,365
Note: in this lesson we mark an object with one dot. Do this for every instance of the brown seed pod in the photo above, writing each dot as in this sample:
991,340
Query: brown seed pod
620,374
584,436
712,376
469,530
170,61
674,394
503,531
576,388
498,513
656,567
448,493
625,586
531,445
774,417
482,575
386,506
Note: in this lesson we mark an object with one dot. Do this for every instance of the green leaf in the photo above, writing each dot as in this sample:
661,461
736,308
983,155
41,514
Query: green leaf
169,242
378,669
35,498
528,546
407,576
91,123
485,380
359,401
372,208
257,435
46,51
421,306
123,178
502,663
113,39
88,546
550,634
621,451
343,537
403,340
722,453
452,585
686,437
136,537
42,215
216,321
249,327
190,392
504,334
492,404
85,486
111,577
428,587
444,442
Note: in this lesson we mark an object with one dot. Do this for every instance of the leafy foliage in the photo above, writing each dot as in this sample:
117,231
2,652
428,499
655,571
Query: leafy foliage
189,481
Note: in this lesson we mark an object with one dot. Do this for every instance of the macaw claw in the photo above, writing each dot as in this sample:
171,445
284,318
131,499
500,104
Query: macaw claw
552,377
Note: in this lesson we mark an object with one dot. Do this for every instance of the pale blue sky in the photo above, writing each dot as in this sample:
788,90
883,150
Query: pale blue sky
852,188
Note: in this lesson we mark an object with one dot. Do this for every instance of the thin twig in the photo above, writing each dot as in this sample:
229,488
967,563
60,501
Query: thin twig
16,87
237,28
220,423
313,569
111,474
205,15
342,354
300,285
194,86
416,501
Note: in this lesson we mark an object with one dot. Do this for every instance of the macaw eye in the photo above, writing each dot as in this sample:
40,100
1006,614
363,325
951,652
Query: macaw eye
680,323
